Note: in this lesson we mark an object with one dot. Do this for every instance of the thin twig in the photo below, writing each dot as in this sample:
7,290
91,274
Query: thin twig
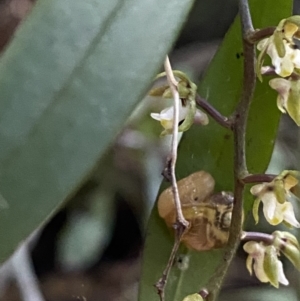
258,178
162,282
211,111
181,223
240,166
173,86
257,236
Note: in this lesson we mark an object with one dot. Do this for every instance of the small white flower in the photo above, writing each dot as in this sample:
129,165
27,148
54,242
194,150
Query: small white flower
288,245
288,99
185,112
274,212
188,112
258,259
166,116
282,86
285,65
273,196
281,48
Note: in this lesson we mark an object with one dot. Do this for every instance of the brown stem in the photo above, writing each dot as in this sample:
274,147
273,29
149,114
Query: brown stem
259,34
269,70
162,282
257,236
166,173
258,178
211,111
240,166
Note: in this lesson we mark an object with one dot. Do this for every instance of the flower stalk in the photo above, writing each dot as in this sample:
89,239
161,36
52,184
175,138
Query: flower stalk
240,166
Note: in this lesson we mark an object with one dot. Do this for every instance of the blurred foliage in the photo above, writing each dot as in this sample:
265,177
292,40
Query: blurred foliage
66,89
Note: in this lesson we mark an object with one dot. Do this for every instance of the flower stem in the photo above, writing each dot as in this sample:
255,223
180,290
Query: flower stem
258,178
270,70
257,236
216,115
240,166
260,34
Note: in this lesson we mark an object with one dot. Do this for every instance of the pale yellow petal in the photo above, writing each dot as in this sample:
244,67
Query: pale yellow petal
269,209
249,262
288,214
256,190
262,44
281,276
258,268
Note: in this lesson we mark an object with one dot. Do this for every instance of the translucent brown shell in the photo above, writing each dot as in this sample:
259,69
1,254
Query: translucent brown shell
209,214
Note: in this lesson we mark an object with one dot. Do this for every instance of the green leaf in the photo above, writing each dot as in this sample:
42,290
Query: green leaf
68,82
210,148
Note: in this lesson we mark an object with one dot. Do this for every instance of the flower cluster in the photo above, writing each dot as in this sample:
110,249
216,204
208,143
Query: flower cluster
263,257
188,113
285,57
274,196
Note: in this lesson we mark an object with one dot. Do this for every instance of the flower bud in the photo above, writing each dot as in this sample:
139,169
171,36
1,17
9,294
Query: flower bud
188,111
274,195
266,265
281,48
193,297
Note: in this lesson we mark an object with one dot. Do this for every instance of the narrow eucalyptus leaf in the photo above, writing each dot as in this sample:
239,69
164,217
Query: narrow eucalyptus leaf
69,80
